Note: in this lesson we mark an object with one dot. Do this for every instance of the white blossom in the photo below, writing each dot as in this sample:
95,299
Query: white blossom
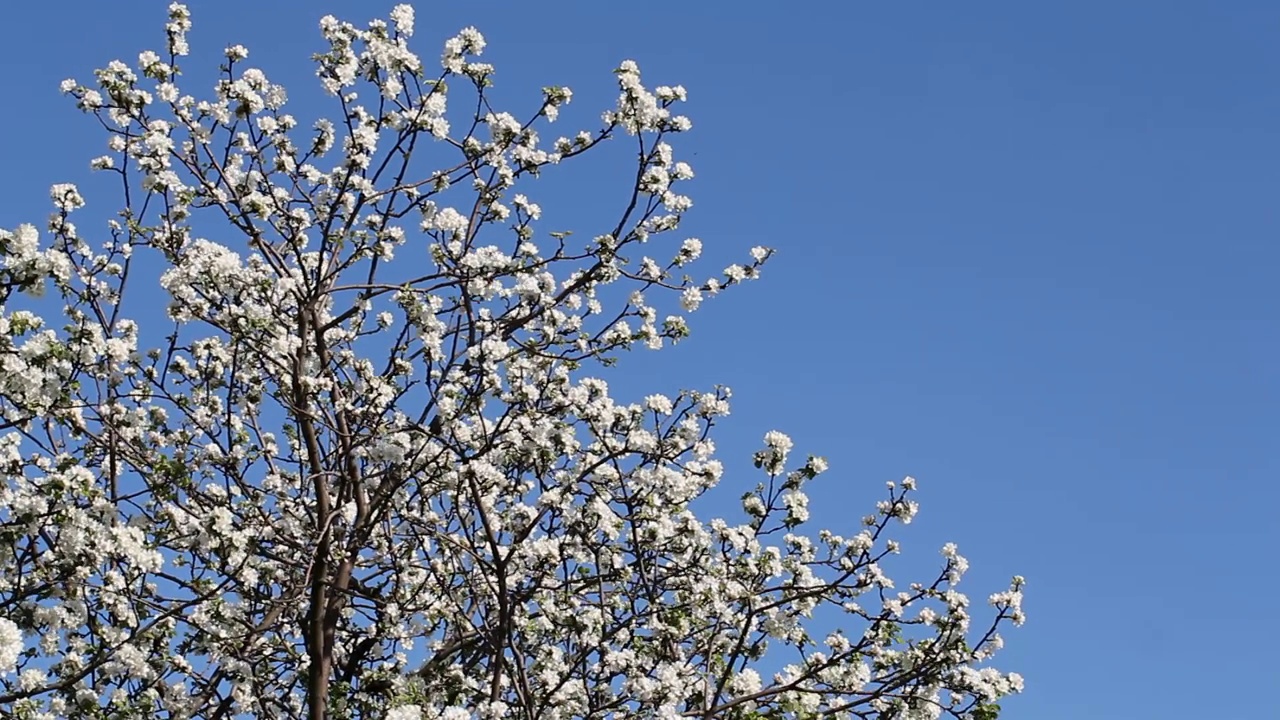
372,457
10,645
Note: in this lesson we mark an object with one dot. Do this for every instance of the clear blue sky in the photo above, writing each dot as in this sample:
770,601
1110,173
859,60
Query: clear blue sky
1028,254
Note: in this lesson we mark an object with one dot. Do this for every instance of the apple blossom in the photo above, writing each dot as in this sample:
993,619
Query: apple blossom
366,466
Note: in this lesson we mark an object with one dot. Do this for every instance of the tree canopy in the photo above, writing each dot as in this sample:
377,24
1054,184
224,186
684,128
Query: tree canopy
366,465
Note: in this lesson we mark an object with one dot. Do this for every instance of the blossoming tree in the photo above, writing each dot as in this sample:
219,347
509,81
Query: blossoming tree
332,484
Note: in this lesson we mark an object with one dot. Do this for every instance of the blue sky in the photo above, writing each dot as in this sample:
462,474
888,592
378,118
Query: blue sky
1027,254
